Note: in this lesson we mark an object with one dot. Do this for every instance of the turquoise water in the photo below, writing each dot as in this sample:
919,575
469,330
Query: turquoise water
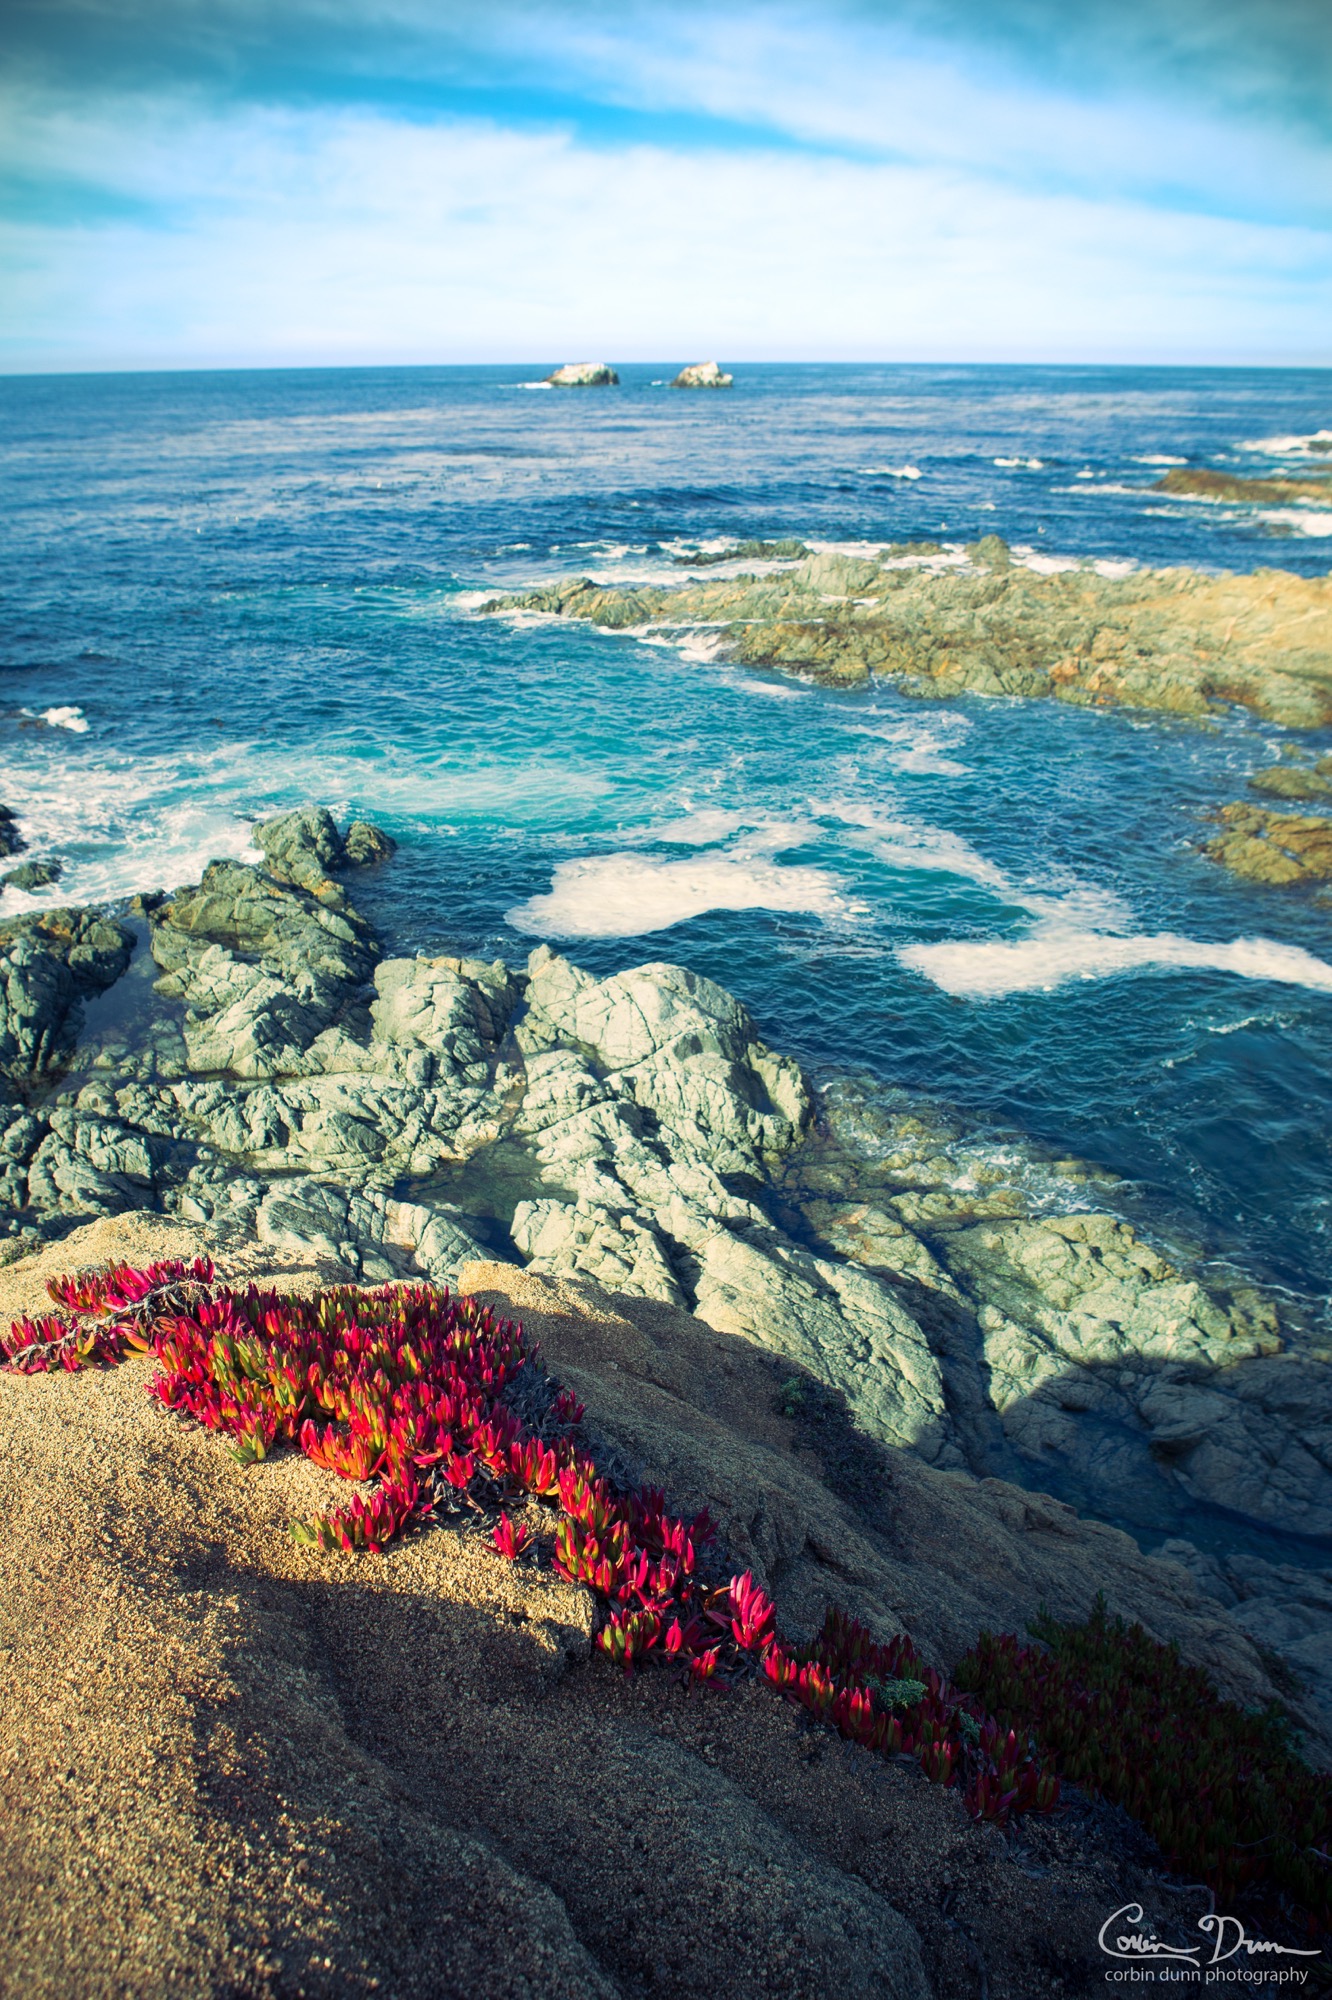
227,593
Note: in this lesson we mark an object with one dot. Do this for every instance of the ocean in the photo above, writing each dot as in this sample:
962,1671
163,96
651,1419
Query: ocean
228,593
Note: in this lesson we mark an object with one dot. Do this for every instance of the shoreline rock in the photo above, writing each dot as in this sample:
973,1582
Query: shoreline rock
1160,639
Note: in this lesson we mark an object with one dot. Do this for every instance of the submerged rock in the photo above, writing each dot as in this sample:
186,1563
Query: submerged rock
702,375
584,375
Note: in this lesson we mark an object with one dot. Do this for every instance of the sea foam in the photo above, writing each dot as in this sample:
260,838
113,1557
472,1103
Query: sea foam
986,969
627,895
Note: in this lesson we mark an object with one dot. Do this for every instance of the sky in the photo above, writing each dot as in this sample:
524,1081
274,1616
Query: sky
204,183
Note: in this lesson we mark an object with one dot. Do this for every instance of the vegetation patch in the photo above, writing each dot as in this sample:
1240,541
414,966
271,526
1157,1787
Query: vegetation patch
1217,1787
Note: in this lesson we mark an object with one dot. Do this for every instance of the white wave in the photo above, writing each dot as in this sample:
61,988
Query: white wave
773,690
1304,446
764,833
917,747
986,969
891,471
1156,458
628,895
69,717
122,830
1312,521
1043,565
1026,464
902,844
1114,567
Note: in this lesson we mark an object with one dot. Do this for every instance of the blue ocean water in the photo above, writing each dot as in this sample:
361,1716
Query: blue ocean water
226,593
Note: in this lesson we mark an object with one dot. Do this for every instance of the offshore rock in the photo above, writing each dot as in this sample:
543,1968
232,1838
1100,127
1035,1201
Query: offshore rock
1200,483
702,375
1295,781
1163,639
584,375
783,551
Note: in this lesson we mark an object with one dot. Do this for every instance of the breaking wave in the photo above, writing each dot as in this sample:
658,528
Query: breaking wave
987,969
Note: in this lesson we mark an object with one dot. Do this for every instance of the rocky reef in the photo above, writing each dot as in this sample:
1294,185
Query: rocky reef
1276,847
584,375
1281,848
1200,483
1158,639
702,375
265,1075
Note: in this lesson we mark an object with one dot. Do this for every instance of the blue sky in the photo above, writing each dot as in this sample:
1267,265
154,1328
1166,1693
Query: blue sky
251,182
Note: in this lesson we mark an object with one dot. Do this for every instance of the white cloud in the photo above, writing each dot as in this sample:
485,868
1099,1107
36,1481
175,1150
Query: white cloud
286,236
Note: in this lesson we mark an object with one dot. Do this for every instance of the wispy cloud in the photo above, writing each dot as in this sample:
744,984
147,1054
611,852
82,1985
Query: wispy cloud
235,181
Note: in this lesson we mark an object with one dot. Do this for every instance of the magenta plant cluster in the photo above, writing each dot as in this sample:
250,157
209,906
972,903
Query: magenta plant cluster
416,1396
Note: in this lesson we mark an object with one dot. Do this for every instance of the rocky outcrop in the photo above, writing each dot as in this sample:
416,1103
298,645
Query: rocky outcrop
1201,483
1164,639
283,1083
1275,847
702,375
584,375
33,875
11,840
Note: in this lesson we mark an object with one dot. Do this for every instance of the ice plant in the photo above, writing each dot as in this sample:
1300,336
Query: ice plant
1217,1787
510,1540
415,1397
